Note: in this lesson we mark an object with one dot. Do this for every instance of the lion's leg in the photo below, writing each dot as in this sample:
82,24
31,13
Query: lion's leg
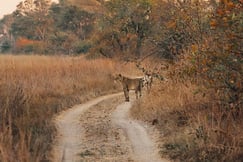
140,89
136,92
126,94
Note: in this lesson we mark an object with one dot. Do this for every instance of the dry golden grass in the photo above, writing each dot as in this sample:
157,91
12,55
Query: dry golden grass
165,98
34,88
192,126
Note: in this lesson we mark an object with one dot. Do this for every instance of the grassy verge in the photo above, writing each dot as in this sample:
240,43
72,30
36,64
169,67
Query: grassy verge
34,88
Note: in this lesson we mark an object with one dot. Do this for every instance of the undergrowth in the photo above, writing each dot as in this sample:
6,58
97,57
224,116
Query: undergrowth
193,125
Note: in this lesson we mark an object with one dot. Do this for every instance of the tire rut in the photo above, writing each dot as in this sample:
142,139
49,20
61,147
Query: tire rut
67,144
144,149
100,131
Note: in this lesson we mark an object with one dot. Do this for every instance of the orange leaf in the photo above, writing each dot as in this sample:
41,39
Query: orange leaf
220,12
213,23
230,5
194,48
171,24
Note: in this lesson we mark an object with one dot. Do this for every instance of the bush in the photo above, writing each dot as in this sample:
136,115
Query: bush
82,47
6,46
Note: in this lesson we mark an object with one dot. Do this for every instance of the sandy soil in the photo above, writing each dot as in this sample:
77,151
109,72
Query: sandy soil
144,148
101,131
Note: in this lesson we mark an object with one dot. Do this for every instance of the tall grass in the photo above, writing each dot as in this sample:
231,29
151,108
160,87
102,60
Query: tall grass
193,126
34,88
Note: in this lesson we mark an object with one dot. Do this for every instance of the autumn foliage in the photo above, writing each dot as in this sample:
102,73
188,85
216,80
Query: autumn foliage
214,62
27,45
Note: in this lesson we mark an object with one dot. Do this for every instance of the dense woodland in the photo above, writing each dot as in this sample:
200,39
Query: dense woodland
125,28
200,42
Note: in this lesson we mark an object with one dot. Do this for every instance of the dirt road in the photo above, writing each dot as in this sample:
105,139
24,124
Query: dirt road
100,130
143,147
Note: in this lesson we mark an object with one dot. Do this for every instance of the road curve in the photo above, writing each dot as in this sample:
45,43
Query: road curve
143,147
67,145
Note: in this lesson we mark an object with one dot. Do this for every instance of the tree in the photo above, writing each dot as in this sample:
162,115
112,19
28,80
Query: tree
5,46
223,60
76,20
27,7
6,35
71,30
126,22
32,21
178,26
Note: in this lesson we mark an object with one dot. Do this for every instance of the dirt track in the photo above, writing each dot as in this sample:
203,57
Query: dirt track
100,130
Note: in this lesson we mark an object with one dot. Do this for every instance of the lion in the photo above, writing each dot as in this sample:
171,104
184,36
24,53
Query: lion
131,84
